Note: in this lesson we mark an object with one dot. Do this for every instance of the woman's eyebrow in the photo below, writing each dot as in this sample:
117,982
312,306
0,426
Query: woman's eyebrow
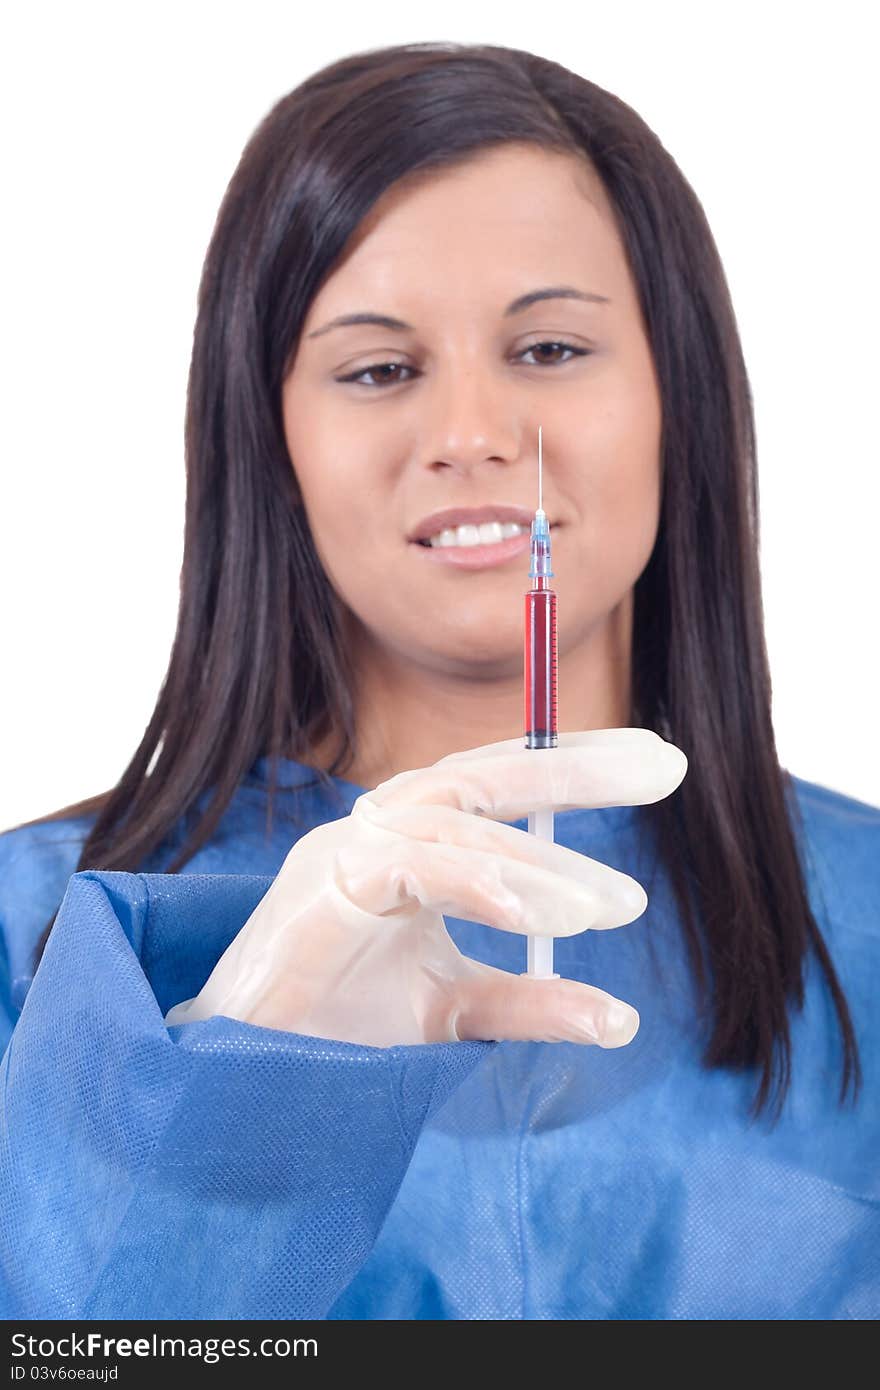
523,302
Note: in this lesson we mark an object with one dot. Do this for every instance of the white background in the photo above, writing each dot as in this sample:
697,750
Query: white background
122,125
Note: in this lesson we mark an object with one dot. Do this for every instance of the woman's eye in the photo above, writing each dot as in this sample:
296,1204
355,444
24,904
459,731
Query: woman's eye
554,347
384,370
389,373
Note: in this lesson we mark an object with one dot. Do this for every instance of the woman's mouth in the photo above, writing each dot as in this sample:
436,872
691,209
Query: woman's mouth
467,552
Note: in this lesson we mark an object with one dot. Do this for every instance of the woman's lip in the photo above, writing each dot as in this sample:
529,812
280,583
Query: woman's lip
476,557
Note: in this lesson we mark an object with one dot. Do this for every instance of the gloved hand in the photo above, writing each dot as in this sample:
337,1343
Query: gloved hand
349,941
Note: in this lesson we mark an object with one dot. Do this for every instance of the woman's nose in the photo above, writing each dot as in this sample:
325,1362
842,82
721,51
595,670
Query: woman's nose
469,415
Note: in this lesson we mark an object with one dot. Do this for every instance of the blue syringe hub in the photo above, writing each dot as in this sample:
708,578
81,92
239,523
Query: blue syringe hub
540,547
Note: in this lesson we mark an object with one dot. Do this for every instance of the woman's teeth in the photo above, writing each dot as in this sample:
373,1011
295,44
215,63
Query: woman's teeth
488,533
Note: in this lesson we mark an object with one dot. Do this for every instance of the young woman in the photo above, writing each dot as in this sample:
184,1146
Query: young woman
257,1073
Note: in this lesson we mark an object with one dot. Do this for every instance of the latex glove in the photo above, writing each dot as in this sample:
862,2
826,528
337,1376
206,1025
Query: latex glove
349,941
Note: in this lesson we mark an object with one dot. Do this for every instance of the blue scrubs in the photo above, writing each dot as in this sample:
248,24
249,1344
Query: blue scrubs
221,1170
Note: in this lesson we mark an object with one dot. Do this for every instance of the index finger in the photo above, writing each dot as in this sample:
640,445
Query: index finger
506,780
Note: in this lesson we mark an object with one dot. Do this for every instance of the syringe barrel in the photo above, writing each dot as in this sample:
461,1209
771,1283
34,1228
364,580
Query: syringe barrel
541,730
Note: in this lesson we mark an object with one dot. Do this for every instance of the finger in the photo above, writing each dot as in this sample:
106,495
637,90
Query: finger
506,781
597,737
513,884
624,896
493,1004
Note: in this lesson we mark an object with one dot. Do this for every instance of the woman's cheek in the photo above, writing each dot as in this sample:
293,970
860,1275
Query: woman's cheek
610,540
633,506
355,555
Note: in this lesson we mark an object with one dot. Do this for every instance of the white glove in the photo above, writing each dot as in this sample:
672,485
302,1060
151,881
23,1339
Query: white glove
349,941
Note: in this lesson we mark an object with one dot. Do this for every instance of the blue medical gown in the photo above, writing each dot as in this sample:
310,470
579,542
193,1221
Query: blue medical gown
222,1170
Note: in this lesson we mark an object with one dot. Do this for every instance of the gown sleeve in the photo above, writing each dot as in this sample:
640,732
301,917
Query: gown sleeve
213,1169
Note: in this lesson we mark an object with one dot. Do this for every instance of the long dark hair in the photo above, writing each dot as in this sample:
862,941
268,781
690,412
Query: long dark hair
258,665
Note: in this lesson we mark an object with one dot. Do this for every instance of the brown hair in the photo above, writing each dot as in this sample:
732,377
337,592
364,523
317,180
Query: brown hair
258,666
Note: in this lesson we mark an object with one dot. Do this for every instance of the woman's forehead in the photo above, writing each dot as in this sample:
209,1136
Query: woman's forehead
517,185
511,219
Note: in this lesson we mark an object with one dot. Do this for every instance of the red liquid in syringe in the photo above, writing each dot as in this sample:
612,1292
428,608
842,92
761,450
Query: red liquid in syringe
541,729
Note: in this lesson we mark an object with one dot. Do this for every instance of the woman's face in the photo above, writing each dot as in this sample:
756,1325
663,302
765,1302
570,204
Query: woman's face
386,425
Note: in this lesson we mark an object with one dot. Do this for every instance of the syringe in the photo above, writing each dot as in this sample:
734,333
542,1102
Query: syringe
540,688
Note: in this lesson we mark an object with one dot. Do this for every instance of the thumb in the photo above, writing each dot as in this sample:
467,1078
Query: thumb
493,1004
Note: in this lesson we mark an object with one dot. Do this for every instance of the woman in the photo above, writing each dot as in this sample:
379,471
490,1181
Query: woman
425,253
